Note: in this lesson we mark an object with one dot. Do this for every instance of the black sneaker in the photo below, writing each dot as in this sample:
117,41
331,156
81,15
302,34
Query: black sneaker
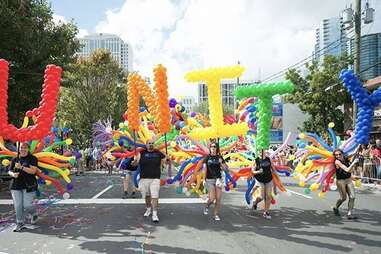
336,211
133,194
19,227
351,217
255,206
125,195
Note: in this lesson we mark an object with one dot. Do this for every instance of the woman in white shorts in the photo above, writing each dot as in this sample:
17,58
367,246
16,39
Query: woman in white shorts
215,164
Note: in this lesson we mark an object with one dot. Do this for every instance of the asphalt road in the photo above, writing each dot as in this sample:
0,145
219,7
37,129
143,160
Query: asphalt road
300,224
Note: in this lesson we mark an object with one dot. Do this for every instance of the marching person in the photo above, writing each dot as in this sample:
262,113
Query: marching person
23,186
150,161
128,173
262,171
344,182
215,164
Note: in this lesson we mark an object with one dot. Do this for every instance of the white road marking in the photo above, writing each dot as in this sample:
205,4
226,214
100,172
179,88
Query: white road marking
102,192
299,194
114,201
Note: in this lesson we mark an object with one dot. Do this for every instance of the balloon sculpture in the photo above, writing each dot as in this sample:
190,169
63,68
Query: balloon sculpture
213,77
264,92
44,114
366,104
53,166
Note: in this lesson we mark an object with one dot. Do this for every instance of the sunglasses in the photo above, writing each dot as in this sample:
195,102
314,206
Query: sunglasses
213,146
338,154
149,143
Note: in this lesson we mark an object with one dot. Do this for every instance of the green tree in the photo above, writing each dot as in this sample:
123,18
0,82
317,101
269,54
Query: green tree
95,91
320,93
29,41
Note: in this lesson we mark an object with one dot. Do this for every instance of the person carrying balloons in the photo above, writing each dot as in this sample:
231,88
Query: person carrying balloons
129,171
215,164
262,171
23,186
344,182
150,161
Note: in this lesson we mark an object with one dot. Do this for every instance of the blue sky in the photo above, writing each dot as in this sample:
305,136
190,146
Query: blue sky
86,13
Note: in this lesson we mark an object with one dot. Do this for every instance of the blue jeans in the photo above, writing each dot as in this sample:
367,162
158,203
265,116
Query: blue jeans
22,202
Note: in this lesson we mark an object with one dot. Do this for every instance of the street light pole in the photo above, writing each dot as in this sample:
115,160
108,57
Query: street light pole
357,20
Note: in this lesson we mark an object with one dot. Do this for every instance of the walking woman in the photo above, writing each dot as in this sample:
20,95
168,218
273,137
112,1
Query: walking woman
215,164
23,185
262,171
344,182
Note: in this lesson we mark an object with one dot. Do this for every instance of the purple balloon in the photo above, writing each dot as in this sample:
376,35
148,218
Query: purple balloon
172,102
193,114
69,186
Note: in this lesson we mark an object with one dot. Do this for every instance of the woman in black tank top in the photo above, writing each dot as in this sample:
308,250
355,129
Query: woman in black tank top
344,181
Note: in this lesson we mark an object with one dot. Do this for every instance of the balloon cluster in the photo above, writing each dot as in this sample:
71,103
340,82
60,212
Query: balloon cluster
157,103
53,167
161,90
366,104
264,92
317,162
43,116
213,77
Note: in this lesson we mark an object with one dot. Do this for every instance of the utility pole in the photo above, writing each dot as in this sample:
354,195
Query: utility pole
357,21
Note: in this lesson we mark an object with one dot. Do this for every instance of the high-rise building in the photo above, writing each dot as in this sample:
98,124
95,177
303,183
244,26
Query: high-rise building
330,39
227,91
188,102
370,55
120,50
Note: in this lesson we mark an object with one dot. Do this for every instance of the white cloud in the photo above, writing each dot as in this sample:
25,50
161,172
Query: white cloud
185,35
57,19
82,33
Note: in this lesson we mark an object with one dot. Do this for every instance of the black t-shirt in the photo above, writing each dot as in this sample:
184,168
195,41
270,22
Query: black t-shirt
341,173
126,165
213,166
150,164
25,180
265,164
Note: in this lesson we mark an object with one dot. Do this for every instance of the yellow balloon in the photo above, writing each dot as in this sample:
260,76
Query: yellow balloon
302,135
358,183
331,125
321,194
173,144
68,141
301,184
5,163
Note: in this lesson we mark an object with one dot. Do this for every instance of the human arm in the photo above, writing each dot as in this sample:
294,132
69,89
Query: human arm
345,168
136,160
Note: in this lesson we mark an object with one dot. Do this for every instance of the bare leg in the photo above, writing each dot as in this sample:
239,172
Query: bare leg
218,201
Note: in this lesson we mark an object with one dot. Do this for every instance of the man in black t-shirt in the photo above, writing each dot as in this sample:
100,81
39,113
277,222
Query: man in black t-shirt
23,185
150,161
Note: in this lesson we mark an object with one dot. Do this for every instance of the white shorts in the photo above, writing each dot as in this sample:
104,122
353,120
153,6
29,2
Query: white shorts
265,186
149,187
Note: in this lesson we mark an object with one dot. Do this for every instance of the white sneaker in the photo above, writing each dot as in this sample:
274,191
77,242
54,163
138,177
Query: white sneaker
155,218
266,216
147,213
206,210
217,218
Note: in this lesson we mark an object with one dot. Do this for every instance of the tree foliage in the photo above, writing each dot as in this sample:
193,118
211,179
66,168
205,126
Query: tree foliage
96,91
320,93
30,40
